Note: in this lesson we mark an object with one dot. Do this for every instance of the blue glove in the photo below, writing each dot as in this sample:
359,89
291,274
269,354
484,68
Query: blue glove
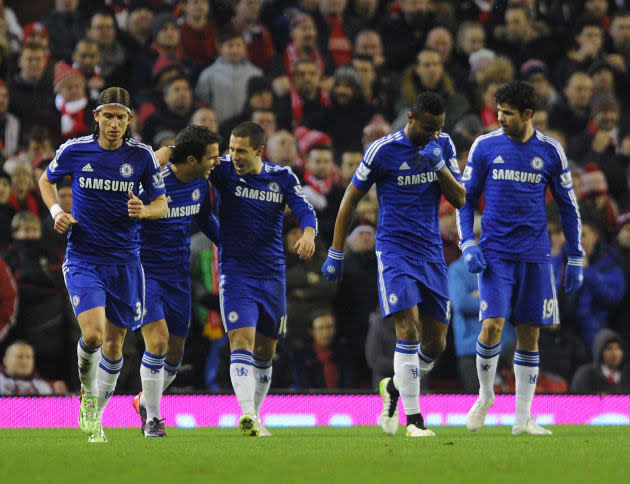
333,266
473,258
433,154
573,278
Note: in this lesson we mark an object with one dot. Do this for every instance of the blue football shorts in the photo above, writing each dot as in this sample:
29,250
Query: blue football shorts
524,291
170,300
259,303
119,288
404,282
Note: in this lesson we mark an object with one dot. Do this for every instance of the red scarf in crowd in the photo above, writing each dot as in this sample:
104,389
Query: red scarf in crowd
320,186
72,116
291,56
29,203
297,106
326,358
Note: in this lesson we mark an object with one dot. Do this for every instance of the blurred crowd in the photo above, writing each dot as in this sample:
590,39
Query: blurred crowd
324,78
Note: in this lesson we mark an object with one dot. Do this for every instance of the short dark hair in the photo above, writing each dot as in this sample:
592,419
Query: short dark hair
251,130
363,57
586,21
228,33
320,147
518,94
428,102
179,77
192,141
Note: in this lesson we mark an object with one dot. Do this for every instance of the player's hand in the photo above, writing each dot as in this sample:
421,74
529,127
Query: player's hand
135,207
473,257
305,245
601,141
433,154
573,278
333,265
63,222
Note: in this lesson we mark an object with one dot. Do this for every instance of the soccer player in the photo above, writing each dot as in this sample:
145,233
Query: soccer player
102,265
513,166
165,257
252,194
412,169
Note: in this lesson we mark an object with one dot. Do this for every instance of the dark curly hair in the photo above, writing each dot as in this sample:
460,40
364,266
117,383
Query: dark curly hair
192,141
518,94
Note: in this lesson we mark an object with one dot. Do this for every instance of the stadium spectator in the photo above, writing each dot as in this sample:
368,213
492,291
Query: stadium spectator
619,315
306,103
19,376
428,74
604,282
7,211
609,372
31,90
572,114
246,19
282,149
588,43
325,362
441,40
139,23
358,295
267,119
259,96
536,73
38,142
376,89
230,73
520,38
620,39
379,348
72,102
369,42
303,46
405,31
348,111
9,125
102,30
86,58
365,14
307,290
350,160
489,79
337,30
65,28
173,114
470,38
23,196
8,299
198,34
205,117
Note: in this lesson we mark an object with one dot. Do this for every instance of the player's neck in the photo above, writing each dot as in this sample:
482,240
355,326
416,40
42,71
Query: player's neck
258,166
528,132
181,175
109,145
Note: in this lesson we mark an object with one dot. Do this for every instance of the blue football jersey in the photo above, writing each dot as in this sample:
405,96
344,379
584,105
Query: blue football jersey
251,214
408,194
514,178
101,179
165,242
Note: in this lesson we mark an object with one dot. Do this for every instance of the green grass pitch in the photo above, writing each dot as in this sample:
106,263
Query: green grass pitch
323,455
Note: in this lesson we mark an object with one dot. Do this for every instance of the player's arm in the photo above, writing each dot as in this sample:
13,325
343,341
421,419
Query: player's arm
163,155
303,210
562,189
206,221
473,178
158,207
56,171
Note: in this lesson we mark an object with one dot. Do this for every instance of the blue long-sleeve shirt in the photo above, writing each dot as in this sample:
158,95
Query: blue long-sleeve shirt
514,178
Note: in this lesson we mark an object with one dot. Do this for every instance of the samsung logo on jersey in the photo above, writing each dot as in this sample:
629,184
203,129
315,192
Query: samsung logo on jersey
105,184
417,179
515,175
185,211
256,194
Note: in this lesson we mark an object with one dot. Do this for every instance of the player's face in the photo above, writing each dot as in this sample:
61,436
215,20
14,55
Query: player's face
426,128
209,161
112,122
244,156
512,121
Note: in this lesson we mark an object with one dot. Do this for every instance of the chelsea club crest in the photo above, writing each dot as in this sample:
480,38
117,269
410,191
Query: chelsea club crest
537,163
126,170
274,187
196,194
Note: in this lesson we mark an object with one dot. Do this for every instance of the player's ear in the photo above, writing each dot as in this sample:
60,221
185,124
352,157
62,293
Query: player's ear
191,160
260,150
528,114
95,114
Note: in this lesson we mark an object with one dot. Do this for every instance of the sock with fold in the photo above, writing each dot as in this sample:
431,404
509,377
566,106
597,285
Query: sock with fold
487,360
407,374
152,376
242,376
526,373
262,379
106,378
88,359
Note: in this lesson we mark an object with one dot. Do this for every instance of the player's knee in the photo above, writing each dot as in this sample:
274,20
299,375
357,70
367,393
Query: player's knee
92,338
434,347
263,352
112,349
158,344
493,327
